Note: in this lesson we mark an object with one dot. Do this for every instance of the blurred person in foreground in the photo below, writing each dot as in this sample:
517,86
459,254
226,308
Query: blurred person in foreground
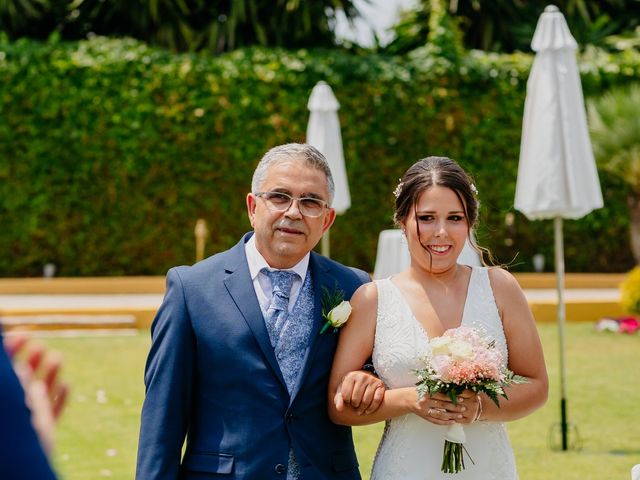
239,362
32,396
395,321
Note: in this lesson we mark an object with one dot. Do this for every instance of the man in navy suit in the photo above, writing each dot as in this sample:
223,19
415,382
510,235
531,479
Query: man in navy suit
242,377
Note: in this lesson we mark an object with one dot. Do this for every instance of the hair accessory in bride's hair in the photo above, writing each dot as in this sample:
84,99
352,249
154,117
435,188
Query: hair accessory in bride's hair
398,190
473,189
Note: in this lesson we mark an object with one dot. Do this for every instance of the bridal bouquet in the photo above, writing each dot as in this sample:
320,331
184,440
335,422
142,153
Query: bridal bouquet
461,359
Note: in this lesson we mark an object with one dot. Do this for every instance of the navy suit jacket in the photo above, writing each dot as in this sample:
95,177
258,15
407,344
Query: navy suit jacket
212,376
21,455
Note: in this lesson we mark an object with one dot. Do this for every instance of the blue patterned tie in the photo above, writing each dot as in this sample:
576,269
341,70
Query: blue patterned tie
277,312
275,320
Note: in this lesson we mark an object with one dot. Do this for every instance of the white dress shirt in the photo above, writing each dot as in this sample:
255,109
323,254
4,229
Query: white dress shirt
262,283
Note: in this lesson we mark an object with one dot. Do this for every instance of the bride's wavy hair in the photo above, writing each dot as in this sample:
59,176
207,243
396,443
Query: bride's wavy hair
444,172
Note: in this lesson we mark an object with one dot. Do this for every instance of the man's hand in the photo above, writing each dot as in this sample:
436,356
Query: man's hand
45,394
361,390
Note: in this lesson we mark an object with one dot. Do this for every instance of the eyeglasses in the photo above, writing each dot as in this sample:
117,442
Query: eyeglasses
281,202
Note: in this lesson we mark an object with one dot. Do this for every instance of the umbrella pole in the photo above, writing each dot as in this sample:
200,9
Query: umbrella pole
559,251
324,244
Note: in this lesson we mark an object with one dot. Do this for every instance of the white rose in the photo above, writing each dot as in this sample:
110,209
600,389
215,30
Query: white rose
440,346
339,315
461,350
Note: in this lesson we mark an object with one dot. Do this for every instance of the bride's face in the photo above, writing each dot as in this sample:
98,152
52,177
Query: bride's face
443,229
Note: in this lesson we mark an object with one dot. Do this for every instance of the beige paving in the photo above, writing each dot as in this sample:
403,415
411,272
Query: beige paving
119,310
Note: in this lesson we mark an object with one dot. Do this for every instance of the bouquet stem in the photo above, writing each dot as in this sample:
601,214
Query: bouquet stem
452,457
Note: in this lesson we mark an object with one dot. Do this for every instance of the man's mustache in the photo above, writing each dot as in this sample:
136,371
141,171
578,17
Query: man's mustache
298,226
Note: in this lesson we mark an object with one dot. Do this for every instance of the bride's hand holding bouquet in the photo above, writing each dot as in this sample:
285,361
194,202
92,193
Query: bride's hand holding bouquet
462,363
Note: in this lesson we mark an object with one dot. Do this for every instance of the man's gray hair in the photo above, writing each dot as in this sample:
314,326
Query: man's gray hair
292,151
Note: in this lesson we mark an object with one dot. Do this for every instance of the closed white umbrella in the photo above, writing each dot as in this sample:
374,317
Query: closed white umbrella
557,175
323,132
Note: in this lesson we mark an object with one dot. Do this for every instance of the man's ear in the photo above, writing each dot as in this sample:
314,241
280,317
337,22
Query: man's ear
329,218
251,207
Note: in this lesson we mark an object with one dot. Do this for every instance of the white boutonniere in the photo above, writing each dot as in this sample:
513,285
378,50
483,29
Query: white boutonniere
335,310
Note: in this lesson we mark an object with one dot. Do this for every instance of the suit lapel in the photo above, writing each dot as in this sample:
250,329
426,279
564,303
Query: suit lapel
238,284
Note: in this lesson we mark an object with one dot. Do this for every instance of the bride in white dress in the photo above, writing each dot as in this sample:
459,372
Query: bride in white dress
393,320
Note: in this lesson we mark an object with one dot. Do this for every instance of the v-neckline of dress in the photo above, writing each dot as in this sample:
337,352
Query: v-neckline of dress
415,319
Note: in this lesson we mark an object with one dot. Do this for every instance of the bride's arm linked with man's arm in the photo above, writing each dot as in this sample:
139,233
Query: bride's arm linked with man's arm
354,348
525,359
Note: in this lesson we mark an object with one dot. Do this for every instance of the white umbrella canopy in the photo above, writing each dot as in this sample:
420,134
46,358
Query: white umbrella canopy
557,175
323,132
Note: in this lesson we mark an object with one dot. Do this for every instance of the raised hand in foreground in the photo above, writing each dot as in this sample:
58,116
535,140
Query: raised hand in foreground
45,393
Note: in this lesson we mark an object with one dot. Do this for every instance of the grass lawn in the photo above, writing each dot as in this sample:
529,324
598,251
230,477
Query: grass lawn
97,437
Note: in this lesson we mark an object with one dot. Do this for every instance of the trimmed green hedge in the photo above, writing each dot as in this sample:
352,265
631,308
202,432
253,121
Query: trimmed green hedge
110,150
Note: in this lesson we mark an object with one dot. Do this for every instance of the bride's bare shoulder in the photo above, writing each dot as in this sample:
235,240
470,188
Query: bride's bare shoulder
366,293
503,280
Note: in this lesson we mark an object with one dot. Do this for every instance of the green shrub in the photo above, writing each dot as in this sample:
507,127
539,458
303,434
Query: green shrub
110,150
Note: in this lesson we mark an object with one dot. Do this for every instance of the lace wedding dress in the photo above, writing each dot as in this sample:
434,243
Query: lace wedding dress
411,447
